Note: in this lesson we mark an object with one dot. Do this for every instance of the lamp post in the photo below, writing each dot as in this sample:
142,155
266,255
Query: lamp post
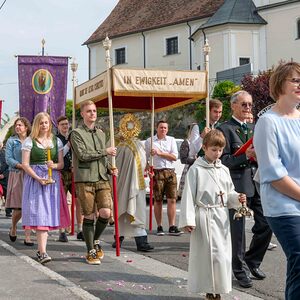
206,50
43,46
74,67
107,46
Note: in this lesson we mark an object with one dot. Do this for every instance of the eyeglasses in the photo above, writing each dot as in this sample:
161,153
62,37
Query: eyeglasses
294,81
246,104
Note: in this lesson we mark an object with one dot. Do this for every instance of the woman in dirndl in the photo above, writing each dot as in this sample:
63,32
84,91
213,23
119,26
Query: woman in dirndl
42,154
13,156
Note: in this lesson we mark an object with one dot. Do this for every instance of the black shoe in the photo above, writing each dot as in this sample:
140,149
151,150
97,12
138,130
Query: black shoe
80,236
121,239
160,231
145,247
173,230
212,296
28,243
12,238
63,237
257,273
8,212
245,282
142,243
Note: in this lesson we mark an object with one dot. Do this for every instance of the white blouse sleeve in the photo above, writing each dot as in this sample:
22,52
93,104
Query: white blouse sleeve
60,145
27,144
195,140
267,151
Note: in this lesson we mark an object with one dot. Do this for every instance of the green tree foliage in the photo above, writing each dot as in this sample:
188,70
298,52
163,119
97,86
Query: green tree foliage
222,91
69,111
258,87
4,120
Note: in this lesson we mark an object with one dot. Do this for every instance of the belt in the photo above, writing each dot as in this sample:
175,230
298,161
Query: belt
164,169
208,206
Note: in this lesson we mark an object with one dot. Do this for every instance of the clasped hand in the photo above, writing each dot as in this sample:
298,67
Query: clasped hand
51,164
155,151
111,151
242,198
250,152
114,172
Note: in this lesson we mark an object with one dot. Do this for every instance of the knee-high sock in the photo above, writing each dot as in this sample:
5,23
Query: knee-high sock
88,233
100,226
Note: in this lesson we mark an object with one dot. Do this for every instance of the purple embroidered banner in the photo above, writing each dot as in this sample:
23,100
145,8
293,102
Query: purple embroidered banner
42,85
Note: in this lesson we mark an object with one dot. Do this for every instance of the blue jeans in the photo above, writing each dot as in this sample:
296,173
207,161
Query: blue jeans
287,231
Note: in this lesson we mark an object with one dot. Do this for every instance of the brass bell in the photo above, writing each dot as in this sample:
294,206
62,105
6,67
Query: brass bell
243,211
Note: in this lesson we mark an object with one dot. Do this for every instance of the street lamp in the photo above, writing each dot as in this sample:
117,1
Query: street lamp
43,46
206,50
74,67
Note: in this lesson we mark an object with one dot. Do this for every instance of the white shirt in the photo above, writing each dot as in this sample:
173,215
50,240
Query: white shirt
196,140
166,145
239,121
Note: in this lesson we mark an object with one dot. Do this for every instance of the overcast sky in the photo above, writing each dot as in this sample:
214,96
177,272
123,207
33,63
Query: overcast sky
64,24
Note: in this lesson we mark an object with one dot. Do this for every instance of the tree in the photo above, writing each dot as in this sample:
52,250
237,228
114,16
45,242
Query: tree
4,121
258,87
222,91
69,111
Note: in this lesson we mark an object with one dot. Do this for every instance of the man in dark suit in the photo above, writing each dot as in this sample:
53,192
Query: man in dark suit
242,168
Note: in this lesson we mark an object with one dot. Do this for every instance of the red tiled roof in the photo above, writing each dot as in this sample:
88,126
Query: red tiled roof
131,16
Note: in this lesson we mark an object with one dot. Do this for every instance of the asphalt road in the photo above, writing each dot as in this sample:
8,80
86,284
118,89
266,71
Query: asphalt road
172,251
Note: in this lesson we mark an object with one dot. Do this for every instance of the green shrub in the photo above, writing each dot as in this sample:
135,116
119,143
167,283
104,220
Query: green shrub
222,91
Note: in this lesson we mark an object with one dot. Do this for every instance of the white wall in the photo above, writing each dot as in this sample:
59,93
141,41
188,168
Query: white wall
155,53
265,45
281,42
229,43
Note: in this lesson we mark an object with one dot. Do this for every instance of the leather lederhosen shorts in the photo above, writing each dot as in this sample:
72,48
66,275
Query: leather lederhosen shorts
164,183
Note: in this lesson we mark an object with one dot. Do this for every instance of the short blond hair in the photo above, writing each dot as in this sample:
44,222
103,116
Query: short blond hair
214,138
86,103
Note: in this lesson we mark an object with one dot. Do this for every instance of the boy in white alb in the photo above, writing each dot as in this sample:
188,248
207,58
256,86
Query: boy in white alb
207,196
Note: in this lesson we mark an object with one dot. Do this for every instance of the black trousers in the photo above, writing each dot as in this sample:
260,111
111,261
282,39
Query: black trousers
262,235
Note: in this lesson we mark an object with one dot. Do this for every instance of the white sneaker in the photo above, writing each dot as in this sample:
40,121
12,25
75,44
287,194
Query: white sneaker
272,246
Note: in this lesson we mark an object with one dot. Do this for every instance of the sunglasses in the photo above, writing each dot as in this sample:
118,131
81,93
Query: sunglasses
246,104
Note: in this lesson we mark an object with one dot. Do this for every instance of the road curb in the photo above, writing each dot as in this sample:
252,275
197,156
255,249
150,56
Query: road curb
73,288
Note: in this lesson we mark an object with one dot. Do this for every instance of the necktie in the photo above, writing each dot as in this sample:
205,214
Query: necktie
245,128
